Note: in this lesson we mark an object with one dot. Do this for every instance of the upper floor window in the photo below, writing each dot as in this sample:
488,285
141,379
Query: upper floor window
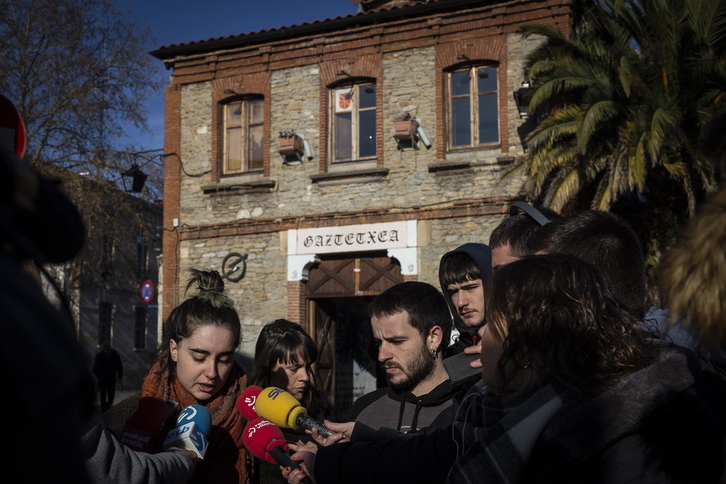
243,135
353,122
142,256
140,328
107,255
105,310
473,106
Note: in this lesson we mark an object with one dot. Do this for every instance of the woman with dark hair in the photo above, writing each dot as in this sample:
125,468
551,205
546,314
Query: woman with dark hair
195,365
553,317
284,355
572,391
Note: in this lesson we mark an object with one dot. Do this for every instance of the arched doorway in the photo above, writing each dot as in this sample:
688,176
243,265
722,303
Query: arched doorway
339,289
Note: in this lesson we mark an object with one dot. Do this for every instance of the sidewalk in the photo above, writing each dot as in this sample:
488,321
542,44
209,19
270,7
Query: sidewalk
118,397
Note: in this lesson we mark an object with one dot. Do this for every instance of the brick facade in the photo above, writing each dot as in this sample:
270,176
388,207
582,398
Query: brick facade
454,196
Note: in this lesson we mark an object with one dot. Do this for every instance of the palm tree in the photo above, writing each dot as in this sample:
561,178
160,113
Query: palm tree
623,99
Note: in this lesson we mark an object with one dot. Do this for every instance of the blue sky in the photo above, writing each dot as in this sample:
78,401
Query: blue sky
179,21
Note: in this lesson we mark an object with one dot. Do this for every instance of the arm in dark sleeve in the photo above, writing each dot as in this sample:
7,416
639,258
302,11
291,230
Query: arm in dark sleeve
362,432
108,460
410,458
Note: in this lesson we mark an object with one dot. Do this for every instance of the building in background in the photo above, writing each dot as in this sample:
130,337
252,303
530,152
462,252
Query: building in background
316,165
111,284
117,302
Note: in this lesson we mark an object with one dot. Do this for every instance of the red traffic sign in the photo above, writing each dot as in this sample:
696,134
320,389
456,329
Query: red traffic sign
12,129
147,291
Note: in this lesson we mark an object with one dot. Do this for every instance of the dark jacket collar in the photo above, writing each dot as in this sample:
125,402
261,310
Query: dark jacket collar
582,429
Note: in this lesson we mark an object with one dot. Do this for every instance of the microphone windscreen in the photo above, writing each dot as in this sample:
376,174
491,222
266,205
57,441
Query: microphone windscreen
197,414
247,401
187,436
260,436
267,442
279,406
147,419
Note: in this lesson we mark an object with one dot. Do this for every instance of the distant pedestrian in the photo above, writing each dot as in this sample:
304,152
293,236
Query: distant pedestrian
107,367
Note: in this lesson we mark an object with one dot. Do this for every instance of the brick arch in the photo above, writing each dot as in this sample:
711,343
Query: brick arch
476,50
362,66
350,81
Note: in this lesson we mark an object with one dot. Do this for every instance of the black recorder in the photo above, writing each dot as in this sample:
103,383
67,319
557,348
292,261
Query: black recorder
459,369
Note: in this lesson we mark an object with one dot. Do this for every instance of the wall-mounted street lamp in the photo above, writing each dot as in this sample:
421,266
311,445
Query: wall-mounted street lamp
138,179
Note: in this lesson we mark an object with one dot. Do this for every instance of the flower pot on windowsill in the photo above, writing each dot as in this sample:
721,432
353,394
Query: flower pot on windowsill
290,145
405,128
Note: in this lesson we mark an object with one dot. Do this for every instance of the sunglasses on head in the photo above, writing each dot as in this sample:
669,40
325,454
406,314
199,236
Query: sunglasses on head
529,210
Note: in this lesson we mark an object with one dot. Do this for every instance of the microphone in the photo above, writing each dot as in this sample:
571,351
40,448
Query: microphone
267,442
281,408
148,418
247,400
197,414
193,426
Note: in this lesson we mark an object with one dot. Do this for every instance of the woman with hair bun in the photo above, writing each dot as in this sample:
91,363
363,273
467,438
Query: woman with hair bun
195,365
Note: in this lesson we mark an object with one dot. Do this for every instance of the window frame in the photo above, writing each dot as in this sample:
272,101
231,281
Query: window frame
108,254
105,321
141,318
475,116
245,143
142,256
356,122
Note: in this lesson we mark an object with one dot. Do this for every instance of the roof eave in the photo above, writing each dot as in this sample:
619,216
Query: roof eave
317,27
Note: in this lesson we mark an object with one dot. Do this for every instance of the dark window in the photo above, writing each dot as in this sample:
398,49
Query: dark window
142,257
473,107
107,255
105,310
140,328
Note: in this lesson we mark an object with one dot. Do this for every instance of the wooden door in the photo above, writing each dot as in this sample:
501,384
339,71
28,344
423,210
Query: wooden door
338,291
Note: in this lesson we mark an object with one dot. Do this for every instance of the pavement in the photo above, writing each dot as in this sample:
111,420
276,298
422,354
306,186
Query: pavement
118,397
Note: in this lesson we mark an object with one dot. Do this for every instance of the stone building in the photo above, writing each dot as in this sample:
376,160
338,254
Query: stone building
109,285
318,164
116,303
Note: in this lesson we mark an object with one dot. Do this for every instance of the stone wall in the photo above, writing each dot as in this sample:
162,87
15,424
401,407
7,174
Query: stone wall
456,196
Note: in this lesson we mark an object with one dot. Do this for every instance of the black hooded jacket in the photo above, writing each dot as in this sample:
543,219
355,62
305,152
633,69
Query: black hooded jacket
482,257
404,411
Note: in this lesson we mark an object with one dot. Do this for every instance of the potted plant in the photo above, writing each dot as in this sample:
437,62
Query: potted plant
405,126
289,143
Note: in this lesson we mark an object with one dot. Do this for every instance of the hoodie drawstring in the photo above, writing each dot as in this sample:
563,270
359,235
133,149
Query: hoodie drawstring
401,410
